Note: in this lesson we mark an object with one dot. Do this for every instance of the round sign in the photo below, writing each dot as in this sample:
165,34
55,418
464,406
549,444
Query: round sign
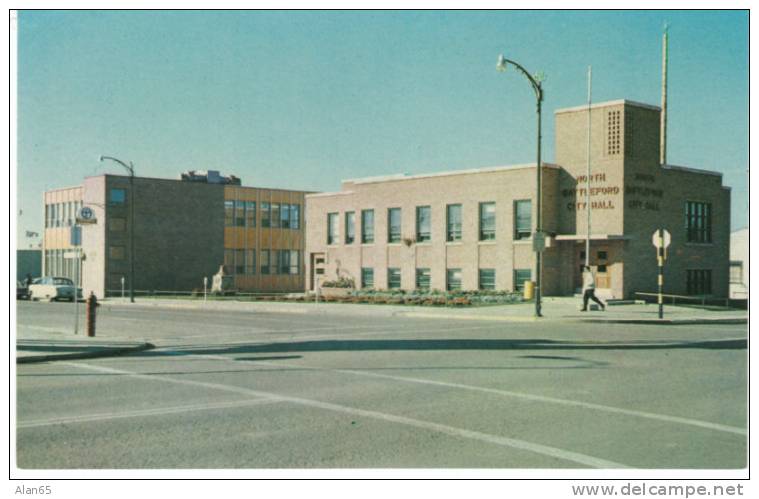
86,213
666,237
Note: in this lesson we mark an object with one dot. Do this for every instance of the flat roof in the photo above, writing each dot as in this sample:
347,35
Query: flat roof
607,104
405,176
691,170
162,179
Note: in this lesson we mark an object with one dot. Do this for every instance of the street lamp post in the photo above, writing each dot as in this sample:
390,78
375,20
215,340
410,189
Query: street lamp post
130,169
538,236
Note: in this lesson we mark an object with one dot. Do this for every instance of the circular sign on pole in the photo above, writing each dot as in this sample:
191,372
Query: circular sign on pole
666,239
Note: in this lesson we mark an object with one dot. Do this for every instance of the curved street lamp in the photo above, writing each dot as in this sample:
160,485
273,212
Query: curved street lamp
130,169
538,237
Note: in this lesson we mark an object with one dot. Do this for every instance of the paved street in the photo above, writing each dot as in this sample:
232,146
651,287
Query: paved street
235,389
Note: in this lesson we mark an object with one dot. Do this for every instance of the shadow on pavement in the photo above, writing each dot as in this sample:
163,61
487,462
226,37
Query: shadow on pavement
453,344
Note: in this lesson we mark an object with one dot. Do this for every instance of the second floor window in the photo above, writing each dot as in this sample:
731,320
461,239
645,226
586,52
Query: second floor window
265,215
350,227
333,228
453,223
522,219
367,226
698,222
423,223
265,261
487,221
394,225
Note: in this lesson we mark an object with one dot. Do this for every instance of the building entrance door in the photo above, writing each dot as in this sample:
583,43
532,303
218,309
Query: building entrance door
599,264
318,262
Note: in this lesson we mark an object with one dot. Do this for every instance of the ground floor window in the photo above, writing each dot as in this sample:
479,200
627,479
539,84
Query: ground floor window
736,272
264,261
453,279
422,278
487,278
240,261
393,278
250,262
699,281
520,277
367,277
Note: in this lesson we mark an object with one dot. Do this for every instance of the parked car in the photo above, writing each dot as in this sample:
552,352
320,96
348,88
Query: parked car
53,288
22,291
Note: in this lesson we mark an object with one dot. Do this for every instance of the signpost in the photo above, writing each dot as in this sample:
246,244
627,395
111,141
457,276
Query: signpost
661,240
74,255
84,216
205,289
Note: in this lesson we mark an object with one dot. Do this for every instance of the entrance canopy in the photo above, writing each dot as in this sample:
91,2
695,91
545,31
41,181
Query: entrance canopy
593,237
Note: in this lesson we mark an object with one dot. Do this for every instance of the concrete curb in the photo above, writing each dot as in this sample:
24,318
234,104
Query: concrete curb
669,322
105,352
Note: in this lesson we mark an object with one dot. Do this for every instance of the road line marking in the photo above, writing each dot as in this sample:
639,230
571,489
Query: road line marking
141,413
545,450
522,395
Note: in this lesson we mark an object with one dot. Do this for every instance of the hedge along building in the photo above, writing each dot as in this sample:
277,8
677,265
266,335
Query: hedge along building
472,229
184,230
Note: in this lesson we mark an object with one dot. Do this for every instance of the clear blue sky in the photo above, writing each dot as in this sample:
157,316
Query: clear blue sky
304,99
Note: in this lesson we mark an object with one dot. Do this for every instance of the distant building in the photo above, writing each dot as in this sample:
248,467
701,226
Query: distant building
184,230
739,256
28,262
472,229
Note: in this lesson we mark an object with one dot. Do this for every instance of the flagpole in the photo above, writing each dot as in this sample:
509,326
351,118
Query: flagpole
587,185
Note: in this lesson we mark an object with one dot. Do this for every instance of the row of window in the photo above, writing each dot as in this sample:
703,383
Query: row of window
273,215
452,278
57,265
61,214
453,231
280,262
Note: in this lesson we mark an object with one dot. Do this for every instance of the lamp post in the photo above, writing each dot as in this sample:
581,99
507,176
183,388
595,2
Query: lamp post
538,237
130,169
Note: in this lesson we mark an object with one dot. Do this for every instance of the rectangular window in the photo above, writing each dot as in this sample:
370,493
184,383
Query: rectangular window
487,221
350,227
423,223
117,196
522,219
487,279
367,226
333,228
699,281
265,215
393,278
603,255
116,252
250,213
265,262
117,224
239,213
394,225
283,262
453,222
239,261
698,222
422,278
285,216
275,215
294,262
736,272
250,262
229,213
520,277
47,215
453,279
367,278
295,216
229,261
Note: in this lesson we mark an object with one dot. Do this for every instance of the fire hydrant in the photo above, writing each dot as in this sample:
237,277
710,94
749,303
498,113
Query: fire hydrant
92,305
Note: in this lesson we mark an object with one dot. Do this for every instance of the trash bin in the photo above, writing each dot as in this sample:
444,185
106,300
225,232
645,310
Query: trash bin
529,290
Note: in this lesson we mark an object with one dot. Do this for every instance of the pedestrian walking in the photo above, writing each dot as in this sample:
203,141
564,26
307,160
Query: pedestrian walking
589,289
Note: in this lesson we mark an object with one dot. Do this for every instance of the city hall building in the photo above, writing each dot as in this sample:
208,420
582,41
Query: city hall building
184,230
472,229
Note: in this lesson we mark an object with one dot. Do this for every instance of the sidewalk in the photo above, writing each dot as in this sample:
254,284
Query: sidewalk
554,309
